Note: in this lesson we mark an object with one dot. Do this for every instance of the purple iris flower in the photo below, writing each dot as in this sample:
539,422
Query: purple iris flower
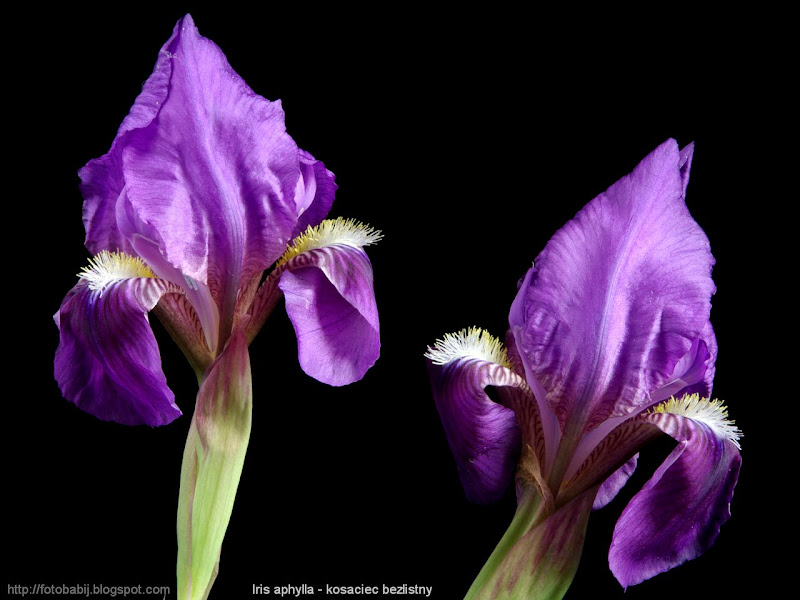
201,192
609,347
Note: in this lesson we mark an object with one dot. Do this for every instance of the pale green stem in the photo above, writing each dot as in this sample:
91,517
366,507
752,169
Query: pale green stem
528,509
212,466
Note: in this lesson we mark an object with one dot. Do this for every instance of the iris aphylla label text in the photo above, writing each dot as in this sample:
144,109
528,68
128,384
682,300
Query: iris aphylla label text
298,591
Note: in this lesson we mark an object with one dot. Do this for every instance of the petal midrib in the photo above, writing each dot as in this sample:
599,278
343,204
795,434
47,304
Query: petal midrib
583,408
232,211
592,385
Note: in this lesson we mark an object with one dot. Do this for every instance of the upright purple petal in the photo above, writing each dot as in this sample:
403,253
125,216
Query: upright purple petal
331,303
315,194
686,165
618,296
677,515
102,178
107,362
215,175
551,432
694,372
203,169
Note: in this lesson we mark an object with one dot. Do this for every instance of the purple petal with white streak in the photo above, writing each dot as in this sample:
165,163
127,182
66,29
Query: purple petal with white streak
618,295
677,515
611,486
331,303
107,362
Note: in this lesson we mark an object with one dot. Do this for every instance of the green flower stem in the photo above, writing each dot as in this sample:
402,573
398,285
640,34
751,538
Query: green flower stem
539,553
527,510
212,466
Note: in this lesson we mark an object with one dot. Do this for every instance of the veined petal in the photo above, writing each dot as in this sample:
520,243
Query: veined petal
551,432
107,362
214,173
677,515
693,374
611,462
326,279
483,435
102,180
197,292
618,295
522,400
179,318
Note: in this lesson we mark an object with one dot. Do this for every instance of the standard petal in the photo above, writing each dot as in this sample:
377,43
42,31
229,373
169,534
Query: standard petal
694,372
618,295
331,303
107,362
551,432
316,191
102,181
483,435
215,174
678,513
686,164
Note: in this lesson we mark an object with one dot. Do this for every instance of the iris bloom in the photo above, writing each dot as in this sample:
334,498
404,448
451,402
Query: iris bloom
200,194
609,346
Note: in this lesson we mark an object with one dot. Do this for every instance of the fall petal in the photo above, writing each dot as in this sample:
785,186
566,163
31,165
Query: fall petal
483,435
331,303
677,515
107,362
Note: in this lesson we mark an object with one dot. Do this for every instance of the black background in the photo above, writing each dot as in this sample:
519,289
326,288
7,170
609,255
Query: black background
468,138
